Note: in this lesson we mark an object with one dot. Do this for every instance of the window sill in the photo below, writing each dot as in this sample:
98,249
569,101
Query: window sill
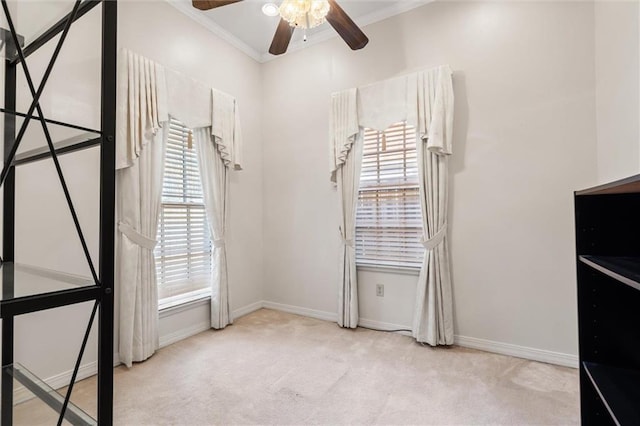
402,270
176,304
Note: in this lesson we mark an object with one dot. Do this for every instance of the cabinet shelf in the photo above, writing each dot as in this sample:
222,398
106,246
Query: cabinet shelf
619,389
38,388
624,269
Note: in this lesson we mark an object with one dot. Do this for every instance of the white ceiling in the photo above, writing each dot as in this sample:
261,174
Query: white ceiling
246,27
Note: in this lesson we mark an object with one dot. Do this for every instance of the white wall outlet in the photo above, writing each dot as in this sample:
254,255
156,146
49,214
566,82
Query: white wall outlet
380,290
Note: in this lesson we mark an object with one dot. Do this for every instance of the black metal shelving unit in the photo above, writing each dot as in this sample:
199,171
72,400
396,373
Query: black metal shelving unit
55,291
608,266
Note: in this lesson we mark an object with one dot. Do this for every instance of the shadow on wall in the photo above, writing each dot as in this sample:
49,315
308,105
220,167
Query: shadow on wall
456,165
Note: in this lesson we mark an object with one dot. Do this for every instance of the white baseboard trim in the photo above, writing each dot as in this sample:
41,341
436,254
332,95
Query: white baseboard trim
22,394
550,357
384,326
58,381
246,310
90,369
192,330
297,310
183,333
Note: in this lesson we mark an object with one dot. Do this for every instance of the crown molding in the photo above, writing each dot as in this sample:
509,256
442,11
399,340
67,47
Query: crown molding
225,35
319,37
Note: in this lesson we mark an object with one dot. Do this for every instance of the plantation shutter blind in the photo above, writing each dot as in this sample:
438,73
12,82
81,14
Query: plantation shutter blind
183,252
388,219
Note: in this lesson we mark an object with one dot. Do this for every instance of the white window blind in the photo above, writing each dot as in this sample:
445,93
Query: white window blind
388,220
183,252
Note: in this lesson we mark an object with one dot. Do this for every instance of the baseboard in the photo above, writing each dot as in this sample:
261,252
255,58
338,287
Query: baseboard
550,357
240,312
297,310
204,326
183,333
90,369
21,394
58,381
384,326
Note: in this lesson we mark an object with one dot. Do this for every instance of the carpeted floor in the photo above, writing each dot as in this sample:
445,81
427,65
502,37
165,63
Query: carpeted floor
276,368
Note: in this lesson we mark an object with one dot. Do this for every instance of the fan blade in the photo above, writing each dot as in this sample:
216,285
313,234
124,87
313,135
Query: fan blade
345,27
281,38
211,4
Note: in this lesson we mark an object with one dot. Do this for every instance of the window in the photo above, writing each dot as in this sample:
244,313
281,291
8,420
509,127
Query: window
183,252
388,219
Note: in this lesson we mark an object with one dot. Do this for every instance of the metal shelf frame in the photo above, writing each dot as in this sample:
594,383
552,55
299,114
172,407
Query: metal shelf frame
102,293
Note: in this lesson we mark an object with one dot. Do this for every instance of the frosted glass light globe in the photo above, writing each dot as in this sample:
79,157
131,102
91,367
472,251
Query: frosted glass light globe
304,13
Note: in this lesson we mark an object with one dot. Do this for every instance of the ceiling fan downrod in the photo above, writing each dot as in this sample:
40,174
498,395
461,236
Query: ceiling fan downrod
304,38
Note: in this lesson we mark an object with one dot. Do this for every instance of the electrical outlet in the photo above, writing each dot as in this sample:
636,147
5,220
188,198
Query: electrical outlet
380,290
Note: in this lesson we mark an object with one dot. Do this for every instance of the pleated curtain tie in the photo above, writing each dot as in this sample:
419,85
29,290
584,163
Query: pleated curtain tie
219,243
348,243
433,242
136,237
345,241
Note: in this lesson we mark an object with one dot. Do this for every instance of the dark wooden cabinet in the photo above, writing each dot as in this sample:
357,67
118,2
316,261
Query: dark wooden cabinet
608,268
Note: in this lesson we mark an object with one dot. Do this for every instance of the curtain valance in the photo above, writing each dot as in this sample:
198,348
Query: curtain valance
149,93
189,100
142,105
344,127
424,99
432,94
225,128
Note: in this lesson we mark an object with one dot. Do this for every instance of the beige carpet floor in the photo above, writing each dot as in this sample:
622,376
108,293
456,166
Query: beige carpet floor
275,368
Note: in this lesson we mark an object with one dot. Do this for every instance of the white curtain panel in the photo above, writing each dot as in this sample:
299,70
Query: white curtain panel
142,110
139,190
348,179
433,315
346,153
214,174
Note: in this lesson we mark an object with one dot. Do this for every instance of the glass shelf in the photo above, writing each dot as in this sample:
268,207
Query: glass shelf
66,137
37,403
624,269
25,288
619,389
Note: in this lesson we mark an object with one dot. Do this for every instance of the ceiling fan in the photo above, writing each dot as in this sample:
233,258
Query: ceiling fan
305,14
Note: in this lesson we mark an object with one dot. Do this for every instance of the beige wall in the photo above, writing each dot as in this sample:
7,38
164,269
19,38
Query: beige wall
617,47
524,140
46,236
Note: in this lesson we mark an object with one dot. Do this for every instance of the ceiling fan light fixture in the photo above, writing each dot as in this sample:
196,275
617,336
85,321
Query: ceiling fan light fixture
304,13
270,9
